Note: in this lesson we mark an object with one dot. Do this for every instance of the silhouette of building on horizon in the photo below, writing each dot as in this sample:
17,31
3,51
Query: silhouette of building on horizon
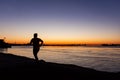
3,44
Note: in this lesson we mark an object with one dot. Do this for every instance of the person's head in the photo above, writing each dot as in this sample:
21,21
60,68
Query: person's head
35,35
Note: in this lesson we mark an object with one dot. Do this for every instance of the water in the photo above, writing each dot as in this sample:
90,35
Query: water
99,58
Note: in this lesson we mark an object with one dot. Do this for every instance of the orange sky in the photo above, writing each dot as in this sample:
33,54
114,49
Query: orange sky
60,22
65,41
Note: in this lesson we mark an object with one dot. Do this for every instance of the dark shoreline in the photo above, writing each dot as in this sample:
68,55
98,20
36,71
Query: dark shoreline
18,67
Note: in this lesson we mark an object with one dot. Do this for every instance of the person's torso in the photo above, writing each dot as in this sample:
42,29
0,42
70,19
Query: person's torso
36,41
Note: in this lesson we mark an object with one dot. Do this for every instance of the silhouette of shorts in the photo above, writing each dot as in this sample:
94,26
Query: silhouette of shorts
36,49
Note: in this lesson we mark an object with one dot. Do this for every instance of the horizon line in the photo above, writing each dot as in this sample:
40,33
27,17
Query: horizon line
73,44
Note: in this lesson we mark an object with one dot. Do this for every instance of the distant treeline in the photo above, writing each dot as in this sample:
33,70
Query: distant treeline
50,44
110,44
69,45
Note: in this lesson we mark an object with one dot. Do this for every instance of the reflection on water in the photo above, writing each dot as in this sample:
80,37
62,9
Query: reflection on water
100,58
2,50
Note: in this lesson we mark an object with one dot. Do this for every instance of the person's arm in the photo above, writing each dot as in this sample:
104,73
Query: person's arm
31,41
41,42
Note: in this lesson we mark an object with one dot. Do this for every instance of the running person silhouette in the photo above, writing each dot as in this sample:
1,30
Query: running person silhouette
37,43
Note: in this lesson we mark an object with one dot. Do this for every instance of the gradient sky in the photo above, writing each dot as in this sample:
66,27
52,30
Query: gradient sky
60,21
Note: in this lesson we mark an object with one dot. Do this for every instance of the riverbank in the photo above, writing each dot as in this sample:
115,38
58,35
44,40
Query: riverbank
19,67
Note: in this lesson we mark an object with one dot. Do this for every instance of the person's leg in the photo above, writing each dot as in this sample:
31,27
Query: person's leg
35,55
35,51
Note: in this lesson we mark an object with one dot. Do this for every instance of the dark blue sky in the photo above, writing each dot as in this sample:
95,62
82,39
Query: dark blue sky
76,9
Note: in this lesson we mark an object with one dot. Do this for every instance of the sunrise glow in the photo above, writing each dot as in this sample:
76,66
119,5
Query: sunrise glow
60,22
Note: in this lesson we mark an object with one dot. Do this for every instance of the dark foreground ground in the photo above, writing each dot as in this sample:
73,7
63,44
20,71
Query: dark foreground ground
23,68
